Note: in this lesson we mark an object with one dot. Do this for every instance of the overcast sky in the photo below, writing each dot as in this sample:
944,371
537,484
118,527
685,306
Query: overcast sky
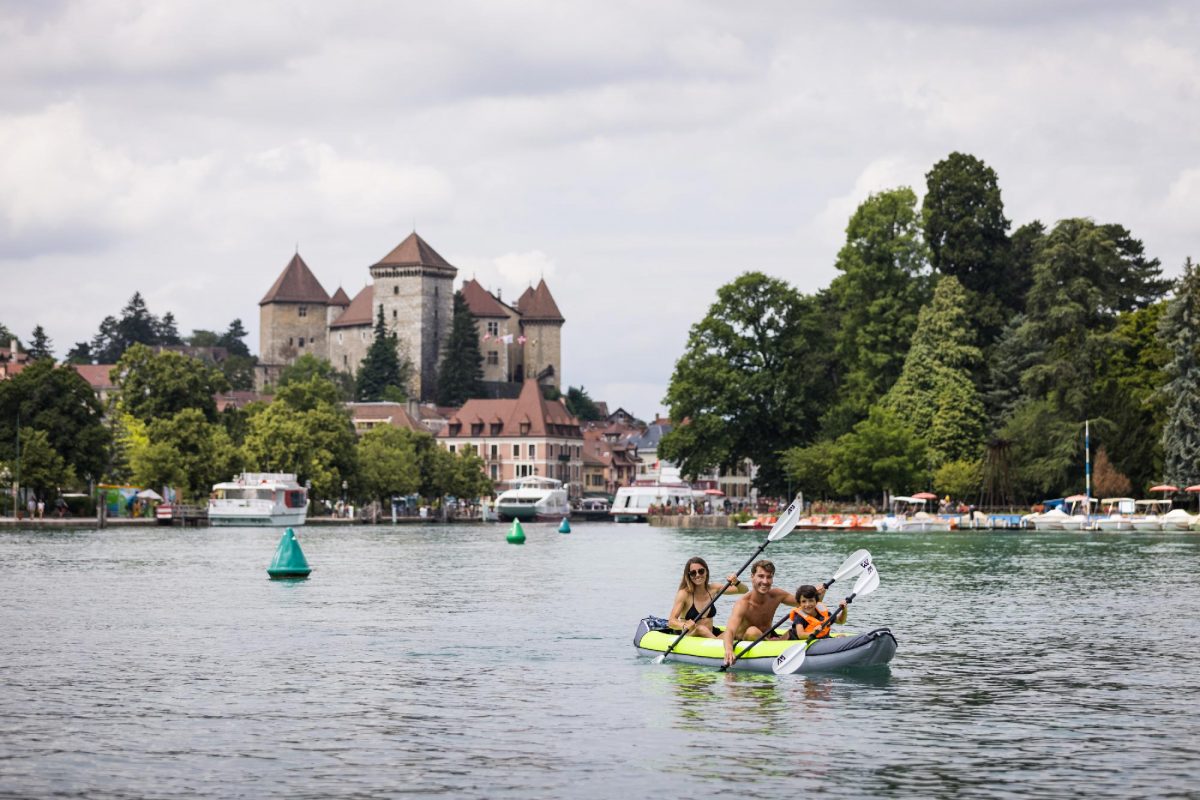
637,155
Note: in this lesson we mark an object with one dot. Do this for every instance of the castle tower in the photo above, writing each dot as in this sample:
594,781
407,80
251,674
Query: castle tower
541,325
415,288
293,317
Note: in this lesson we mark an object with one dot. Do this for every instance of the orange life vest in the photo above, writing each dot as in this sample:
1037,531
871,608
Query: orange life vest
803,625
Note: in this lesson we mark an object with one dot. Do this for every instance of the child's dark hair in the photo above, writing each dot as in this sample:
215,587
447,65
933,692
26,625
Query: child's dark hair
807,591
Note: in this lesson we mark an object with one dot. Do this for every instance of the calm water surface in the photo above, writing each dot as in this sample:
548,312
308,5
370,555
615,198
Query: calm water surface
426,661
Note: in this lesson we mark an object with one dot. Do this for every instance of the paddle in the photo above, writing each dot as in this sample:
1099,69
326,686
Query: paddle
856,563
782,527
790,660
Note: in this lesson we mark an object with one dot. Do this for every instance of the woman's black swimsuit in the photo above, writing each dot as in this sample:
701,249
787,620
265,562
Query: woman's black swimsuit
694,614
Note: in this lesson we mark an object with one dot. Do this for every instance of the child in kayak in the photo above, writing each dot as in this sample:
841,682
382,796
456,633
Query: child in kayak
696,594
810,614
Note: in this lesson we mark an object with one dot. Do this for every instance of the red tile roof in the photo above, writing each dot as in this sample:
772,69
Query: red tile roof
482,302
538,304
359,310
545,417
296,284
340,298
414,251
394,414
97,375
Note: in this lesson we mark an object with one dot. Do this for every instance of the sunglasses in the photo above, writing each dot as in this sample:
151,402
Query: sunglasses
695,572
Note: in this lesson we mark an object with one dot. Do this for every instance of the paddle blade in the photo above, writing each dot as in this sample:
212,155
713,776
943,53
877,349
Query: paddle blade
790,660
659,659
867,582
858,561
786,522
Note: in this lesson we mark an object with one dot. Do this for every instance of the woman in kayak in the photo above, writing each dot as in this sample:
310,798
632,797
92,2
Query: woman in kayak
695,595
810,615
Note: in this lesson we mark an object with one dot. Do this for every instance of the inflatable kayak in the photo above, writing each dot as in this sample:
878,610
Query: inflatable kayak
838,651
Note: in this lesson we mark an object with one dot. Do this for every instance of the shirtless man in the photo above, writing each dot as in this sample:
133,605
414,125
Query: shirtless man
754,611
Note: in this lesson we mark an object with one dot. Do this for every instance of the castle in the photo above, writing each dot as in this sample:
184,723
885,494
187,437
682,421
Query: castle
414,287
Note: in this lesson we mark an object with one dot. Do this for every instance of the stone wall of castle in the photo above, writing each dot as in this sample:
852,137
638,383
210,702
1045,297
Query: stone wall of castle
543,348
418,304
289,330
348,346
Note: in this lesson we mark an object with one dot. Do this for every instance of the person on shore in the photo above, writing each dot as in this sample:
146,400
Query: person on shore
810,614
753,613
696,594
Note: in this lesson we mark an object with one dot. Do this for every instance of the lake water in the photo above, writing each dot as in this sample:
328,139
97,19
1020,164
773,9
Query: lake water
443,661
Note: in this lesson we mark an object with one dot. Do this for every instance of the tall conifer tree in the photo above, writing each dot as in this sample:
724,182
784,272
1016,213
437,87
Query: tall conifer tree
1180,333
460,375
382,375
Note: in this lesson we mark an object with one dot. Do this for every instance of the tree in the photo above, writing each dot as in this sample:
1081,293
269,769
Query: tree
40,345
880,454
41,466
166,332
57,401
959,479
460,375
875,301
306,431
159,385
934,395
387,462
1047,450
1107,480
7,336
81,353
185,451
967,234
581,406
810,467
382,376
749,383
307,366
231,340
1086,275
136,326
1179,333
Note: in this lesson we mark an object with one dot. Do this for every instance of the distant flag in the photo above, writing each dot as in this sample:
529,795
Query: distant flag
521,339
507,339
487,336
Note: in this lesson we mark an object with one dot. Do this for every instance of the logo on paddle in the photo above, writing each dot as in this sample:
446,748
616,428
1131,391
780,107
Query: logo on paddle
782,657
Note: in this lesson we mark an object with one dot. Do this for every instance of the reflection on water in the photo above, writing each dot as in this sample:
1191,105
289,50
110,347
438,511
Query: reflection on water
443,661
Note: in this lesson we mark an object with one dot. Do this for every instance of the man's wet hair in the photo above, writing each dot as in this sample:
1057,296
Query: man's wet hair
763,564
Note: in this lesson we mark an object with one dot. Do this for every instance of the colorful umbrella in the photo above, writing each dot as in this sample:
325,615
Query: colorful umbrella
1164,487
925,496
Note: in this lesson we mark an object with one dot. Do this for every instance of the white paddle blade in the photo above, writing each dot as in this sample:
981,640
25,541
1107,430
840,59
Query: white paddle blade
787,520
856,563
790,660
659,659
867,582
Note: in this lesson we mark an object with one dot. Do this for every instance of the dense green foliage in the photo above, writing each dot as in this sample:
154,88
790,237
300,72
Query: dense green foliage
159,385
942,339
460,375
40,345
382,375
581,405
59,403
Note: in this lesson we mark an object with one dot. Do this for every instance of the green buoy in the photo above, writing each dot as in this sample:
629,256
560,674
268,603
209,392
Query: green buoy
289,559
517,534
564,526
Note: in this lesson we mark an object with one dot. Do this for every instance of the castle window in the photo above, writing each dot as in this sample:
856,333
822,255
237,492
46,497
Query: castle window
516,451
493,328
300,342
451,448
395,290
289,341
493,357
339,337
394,315
303,311
345,361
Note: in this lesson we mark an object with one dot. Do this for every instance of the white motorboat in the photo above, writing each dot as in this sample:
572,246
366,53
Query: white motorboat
533,498
259,498
1073,518
632,503
909,514
1177,520
1150,519
1118,514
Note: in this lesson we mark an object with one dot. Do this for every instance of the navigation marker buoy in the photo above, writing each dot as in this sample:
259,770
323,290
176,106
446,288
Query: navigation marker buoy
564,526
517,534
289,559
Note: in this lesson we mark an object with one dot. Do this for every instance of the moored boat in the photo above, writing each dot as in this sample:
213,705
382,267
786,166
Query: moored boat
632,503
835,652
533,498
1118,514
258,498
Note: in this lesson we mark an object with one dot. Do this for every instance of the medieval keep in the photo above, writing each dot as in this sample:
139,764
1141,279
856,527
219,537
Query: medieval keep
414,287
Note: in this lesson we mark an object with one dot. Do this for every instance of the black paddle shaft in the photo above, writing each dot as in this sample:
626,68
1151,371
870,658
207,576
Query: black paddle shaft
713,602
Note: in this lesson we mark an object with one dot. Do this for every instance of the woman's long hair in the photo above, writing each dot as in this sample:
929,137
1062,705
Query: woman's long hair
686,582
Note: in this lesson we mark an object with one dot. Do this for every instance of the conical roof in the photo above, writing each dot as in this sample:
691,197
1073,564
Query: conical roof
482,302
296,284
538,304
340,298
414,251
